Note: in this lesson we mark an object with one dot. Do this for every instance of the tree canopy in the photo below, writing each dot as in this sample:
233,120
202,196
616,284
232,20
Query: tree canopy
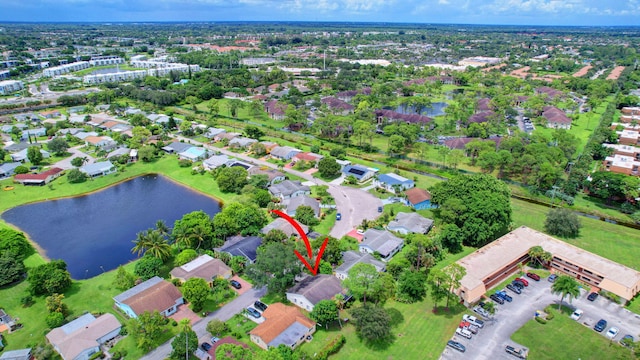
373,323
237,218
194,230
276,267
196,291
562,222
231,179
49,278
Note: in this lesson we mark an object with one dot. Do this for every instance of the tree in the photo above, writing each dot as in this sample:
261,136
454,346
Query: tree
565,286
276,267
34,155
232,179
562,222
437,282
372,323
77,161
237,218
151,242
15,243
217,328
54,320
123,279
58,146
49,278
396,144
452,275
275,236
328,167
233,352
194,230
185,256
253,132
306,215
539,255
12,269
148,267
54,304
147,153
146,329
76,176
196,291
185,343
324,312
479,205
411,286
21,169
361,280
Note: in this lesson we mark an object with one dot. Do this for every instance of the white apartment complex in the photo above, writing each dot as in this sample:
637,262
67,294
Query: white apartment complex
65,69
115,77
10,86
105,60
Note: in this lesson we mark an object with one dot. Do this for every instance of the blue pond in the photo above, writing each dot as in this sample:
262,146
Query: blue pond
436,109
94,233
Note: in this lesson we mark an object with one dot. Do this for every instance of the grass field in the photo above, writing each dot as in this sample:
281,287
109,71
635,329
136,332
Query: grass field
563,338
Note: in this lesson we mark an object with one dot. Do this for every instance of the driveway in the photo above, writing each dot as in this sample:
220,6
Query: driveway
490,341
223,314
75,152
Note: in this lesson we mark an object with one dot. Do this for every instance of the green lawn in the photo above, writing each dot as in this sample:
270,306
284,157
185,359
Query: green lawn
563,338
327,223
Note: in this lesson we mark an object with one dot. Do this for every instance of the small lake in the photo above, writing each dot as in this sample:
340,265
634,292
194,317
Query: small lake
94,233
436,109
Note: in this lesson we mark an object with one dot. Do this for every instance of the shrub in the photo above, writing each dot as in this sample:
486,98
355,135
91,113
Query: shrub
184,163
174,322
332,347
54,320
26,301
541,320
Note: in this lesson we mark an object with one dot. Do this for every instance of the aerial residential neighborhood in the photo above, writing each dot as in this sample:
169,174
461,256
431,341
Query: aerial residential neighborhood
312,180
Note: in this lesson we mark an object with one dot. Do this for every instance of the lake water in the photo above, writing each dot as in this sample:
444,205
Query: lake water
436,109
94,233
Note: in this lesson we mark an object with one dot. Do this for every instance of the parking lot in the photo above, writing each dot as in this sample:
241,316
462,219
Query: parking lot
491,340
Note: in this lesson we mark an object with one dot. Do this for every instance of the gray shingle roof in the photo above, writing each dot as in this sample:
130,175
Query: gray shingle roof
316,288
298,201
287,187
413,222
381,241
351,258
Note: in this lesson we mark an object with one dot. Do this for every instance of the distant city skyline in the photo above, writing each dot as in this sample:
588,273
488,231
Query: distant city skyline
490,12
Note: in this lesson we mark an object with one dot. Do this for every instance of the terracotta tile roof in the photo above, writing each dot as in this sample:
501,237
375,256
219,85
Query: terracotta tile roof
278,318
93,139
417,195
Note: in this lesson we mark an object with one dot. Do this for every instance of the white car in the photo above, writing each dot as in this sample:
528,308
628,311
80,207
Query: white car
577,314
473,320
612,332
464,333
481,311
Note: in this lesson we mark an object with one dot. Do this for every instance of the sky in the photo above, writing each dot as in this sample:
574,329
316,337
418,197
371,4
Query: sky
500,12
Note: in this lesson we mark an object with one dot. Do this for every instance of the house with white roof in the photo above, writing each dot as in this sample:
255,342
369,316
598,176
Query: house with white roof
393,182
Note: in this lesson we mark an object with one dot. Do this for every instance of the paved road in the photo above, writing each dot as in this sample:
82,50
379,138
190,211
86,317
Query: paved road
75,151
354,204
490,341
225,313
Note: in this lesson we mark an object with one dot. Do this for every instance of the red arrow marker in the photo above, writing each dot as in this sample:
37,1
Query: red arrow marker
314,269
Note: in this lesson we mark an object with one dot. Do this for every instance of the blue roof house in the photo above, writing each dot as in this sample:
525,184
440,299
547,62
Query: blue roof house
393,183
194,154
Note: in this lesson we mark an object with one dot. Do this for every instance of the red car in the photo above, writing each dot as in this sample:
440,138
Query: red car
523,281
533,276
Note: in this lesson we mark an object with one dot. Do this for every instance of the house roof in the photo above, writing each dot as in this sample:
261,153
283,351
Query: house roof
412,222
242,142
393,179
481,117
271,173
316,288
555,115
177,147
153,294
82,334
275,107
483,104
283,325
356,170
242,246
285,226
287,187
549,91
97,168
118,152
40,176
283,151
298,201
381,241
416,195
22,354
217,160
203,267
9,167
193,152
408,118
308,156
351,258
335,103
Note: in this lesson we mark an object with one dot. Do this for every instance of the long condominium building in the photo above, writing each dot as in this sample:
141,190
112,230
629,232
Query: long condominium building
10,86
105,60
115,77
65,69
493,263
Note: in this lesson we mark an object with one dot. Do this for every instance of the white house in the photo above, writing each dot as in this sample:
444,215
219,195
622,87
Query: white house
81,338
307,293
155,294
99,169
392,182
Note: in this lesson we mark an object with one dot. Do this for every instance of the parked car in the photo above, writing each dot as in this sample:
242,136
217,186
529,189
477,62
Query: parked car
515,289
338,216
518,284
235,284
456,345
472,328
481,311
260,305
205,346
626,340
612,332
379,209
602,323
215,340
519,353
593,296
577,314
253,312
533,276
504,295
473,320
496,298
552,277
523,281
464,333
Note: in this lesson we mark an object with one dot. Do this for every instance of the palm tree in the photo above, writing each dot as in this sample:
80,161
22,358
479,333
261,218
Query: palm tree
157,245
140,243
162,227
536,253
565,285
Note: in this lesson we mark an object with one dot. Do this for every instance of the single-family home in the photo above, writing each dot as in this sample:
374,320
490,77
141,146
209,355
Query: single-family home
289,189
8,128
42,178
22,155
360,172
21,354
118,152
284,152
382,242
203,267
159,118
240,163
194,154
351,258
213,132
99,169
283,325
308,292
226,136
556,118
70,131
7,169
295,202
308,156
13,147
273,175
418,199
176,147
269,145
241,142
85,134
337,106
83,337
155,294
393,182
246,246
406,223
50,114
275,109
76,118
33,133
217,161
103,142
5,318
284,226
